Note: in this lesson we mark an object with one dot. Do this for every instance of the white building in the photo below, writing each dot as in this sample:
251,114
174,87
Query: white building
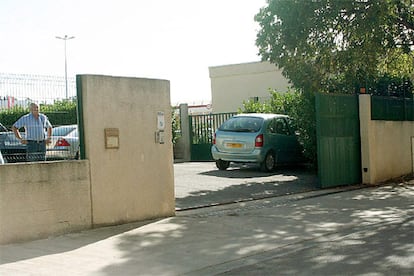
8,102
232,84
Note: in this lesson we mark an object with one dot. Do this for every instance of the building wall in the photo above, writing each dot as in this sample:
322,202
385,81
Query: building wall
135,181
386,146
42,199
233,84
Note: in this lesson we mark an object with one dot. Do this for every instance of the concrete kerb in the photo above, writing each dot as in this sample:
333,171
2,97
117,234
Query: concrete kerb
283,198
287,198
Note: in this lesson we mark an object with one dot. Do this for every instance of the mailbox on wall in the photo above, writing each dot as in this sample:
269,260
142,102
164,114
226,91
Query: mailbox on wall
111,138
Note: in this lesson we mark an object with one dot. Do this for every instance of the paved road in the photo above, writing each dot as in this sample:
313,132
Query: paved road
202,184
365,231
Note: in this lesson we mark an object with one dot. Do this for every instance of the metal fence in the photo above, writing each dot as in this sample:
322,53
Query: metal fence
53,94
20,89
202,128
392,108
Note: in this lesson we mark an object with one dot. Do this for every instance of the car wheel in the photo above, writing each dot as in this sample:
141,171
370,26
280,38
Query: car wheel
269,162
222,165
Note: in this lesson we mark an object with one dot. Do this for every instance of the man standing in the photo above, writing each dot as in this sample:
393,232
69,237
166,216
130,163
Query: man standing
35,124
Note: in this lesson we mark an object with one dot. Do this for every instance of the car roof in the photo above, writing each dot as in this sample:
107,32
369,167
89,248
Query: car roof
261,115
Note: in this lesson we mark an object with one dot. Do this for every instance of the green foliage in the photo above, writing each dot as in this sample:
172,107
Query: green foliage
9,116
336,45
391,86
298,106
252,106
397,63
176,126
59,113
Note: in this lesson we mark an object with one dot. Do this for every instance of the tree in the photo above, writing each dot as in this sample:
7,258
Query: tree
325,45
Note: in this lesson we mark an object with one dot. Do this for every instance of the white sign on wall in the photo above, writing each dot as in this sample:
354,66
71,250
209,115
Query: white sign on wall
160,120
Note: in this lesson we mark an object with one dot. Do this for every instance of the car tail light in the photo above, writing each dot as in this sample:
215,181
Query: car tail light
258,142
61,142
214,139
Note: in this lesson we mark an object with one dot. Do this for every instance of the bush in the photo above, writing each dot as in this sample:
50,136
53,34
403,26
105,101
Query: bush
392,86
175,125
9,116
59,113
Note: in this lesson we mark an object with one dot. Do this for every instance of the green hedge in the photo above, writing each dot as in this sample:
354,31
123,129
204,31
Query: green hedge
391,86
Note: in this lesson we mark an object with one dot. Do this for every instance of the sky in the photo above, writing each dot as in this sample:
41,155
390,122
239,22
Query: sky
176,40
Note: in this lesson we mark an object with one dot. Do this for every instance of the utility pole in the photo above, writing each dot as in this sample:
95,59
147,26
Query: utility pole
66,38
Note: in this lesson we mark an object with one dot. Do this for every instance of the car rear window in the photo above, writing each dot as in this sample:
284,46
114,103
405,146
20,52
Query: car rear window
242,124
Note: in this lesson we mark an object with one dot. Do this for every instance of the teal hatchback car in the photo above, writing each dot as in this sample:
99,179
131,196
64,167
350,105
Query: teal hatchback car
266,139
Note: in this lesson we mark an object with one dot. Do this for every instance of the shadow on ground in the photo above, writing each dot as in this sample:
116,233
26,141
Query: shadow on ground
254,184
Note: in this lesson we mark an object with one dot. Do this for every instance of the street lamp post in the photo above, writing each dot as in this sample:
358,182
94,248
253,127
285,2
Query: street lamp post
66,38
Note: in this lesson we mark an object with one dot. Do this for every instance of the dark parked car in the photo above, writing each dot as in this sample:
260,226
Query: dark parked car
266,139
11,148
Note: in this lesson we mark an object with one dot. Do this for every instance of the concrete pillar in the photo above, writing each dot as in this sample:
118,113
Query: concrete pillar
185,132
128,143
412,155
367,140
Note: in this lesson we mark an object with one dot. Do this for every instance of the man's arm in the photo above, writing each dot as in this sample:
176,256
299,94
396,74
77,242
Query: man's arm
49,134
18,135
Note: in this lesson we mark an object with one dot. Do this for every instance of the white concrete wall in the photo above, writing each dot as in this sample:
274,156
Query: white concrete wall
233,84
42,199
386,146
135,181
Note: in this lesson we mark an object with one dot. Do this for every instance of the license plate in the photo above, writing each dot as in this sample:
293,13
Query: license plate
234,145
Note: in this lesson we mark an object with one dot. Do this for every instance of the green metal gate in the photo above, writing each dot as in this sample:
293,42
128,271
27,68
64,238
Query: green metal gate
339,142
202,128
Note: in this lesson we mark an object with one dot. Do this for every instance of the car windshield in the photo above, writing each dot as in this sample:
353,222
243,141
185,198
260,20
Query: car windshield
242,124
62,130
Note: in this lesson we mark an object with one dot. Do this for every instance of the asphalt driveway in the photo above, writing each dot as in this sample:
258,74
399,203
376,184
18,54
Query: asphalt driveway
199,184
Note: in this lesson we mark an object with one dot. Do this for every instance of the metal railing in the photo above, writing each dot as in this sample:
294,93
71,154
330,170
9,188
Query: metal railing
392,108
20,89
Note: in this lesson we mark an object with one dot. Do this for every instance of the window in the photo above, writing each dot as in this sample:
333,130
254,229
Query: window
242,124
281,127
